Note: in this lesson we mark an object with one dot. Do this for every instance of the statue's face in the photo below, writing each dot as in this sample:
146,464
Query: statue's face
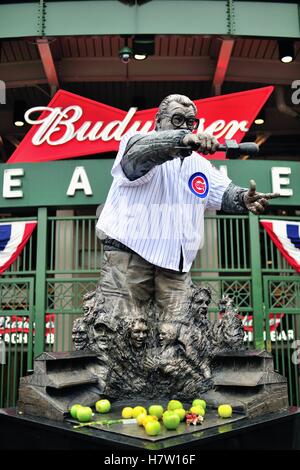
167,334
139,334
79,336
88,305
102,337
175,113
201,303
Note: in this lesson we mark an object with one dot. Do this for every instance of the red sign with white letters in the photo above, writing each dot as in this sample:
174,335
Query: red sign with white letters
73,126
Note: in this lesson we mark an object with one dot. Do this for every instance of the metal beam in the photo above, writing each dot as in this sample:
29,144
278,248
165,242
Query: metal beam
262,71
67,18
20,74
222,65
48,64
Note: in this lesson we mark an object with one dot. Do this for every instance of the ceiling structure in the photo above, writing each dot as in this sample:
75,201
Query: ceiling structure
198,66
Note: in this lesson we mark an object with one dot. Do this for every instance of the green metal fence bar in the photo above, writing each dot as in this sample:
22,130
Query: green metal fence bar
237,234
40,301
296,367
76,245
30,340
257,295
89,237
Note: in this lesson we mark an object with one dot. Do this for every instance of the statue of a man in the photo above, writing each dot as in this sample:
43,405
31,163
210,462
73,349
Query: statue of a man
153,218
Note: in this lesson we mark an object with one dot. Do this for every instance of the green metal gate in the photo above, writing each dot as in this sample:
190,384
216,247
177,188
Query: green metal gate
62,261
17,335
282,328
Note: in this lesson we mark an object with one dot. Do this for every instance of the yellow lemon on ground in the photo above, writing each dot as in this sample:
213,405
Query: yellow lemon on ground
127,412
140,419
137,410
149,419
225,411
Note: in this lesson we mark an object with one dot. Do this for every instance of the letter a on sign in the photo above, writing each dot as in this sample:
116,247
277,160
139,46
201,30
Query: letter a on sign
79,182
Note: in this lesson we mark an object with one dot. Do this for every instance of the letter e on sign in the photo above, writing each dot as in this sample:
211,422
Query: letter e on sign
278,180
9,182
79,182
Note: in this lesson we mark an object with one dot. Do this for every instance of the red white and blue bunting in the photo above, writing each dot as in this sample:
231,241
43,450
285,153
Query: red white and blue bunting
285,235
13,238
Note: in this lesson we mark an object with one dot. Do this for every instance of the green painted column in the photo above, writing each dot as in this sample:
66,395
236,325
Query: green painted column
257,288
40,287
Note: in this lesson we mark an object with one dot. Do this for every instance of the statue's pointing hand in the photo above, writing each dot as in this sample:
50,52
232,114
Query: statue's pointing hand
257,202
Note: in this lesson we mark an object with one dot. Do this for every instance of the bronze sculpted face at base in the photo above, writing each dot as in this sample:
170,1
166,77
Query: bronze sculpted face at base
167,334
79,334
103,337
139,334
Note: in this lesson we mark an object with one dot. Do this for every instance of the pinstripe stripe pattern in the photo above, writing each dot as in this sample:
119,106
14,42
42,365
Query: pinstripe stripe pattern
158,213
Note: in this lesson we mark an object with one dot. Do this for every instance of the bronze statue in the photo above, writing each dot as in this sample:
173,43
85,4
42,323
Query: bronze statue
152,224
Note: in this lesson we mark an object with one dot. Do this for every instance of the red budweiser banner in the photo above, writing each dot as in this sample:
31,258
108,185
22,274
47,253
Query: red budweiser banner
73,126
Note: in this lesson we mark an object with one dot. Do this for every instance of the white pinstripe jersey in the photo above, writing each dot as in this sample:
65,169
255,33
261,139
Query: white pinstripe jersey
162,212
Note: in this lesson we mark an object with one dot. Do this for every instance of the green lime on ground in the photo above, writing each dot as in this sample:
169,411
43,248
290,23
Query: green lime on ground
171,421
180,412
199,402
103,406
156,410
73,410
84,414
174,405
152,428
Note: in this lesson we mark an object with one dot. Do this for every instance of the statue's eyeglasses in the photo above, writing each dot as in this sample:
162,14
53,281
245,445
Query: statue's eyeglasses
179,119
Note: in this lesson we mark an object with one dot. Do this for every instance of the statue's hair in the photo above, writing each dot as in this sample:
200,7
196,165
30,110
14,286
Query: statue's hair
176,324
89,295
77,323
181,99
207,291
200,291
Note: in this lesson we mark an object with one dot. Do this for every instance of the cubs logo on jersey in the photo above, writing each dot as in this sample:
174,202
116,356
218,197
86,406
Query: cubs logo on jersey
198,184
